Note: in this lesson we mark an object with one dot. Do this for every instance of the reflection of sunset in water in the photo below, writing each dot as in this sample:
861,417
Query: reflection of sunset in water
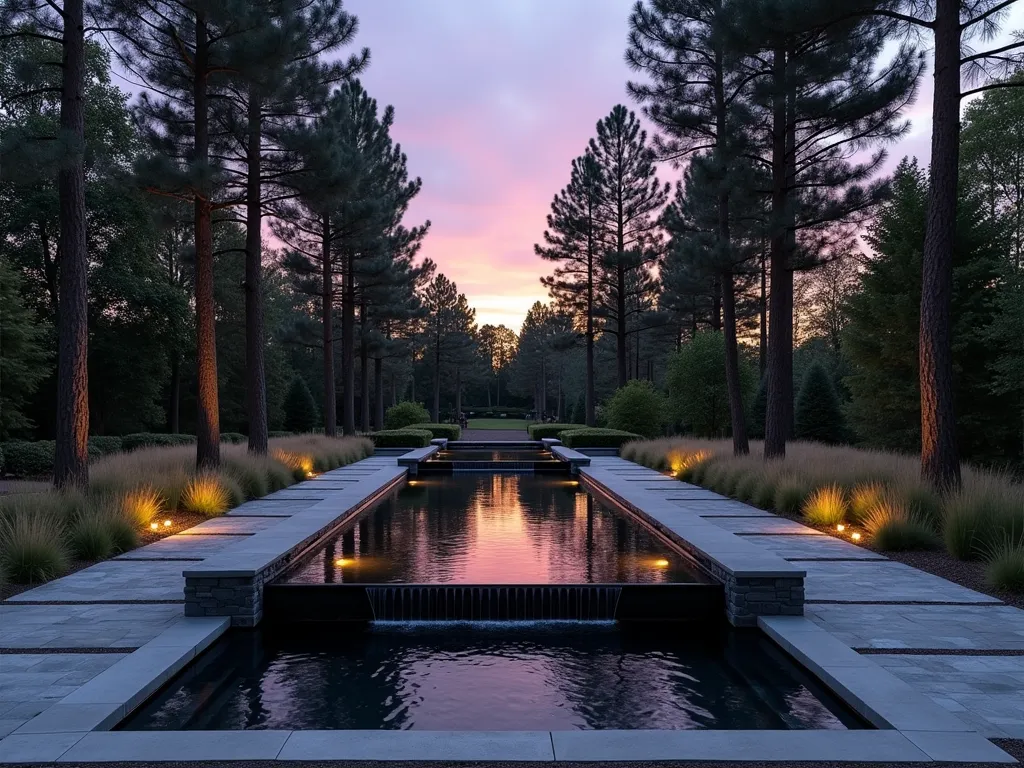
494,528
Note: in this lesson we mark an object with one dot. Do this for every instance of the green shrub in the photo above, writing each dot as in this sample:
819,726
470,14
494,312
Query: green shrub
29,459
758,411
402,438
818,414
90,539
747,485
764,493
32,548
545,431
104,445
825,506
233,437
790,493
595,437
150,439
1005,568
401,415
279,433
637,407
449,431
698,397
300,411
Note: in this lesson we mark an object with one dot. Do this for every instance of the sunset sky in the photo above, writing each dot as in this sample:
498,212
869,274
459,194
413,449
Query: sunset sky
493,100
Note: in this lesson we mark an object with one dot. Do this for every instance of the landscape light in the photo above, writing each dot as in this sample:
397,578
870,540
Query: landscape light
840,527
154,526
855,536
342,561
663,563
167,523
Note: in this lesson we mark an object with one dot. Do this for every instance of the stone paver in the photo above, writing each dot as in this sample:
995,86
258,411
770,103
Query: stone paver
983,691
881,582
718,508
763,525
118,580
801,547
192,546
233,526
31,683
83,626
926,627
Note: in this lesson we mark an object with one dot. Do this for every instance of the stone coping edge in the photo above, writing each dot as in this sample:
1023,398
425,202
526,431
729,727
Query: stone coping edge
575,458
487,746
414,457
763,565
874,693
117,691
283,539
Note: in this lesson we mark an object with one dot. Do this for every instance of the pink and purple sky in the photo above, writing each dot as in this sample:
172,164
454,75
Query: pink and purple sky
493,99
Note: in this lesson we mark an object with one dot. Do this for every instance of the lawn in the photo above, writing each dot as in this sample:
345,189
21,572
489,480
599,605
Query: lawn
509,424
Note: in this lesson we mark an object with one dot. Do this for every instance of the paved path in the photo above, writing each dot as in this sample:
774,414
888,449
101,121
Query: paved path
873,604
57,637
487,435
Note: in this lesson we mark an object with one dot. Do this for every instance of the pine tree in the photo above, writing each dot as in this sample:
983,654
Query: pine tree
818,414
573,241
300,413
279,76
448,333
629,195
65,25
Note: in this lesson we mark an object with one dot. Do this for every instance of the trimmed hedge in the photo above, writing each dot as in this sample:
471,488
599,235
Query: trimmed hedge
402,415
595,437
148,439
402,438
450,431
29,459
233,437
542,431
105,444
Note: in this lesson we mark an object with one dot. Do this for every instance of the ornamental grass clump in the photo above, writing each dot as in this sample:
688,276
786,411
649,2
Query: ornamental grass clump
32,548
826,506
1005,568
863,498
89,538
206,495
790,494
894,527
142,505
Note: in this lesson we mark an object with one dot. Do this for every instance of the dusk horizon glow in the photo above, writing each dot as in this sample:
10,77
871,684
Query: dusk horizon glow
492,103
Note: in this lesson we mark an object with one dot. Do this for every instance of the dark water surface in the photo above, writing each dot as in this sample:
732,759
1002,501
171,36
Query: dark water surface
492,677
494,454
484,528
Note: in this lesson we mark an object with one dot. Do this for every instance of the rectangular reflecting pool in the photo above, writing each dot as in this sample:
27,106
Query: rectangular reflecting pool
480,676
484,528
494,454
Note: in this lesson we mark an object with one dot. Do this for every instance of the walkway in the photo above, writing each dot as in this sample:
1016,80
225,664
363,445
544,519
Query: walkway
501,435
950,643
58,637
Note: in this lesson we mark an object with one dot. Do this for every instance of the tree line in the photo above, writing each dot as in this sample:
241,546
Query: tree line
778,115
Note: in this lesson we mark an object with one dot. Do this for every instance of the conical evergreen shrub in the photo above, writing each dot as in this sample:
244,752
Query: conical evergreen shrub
300,411
819,416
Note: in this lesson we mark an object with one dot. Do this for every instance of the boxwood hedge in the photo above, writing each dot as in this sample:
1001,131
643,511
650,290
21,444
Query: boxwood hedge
450,431
402,438
595,437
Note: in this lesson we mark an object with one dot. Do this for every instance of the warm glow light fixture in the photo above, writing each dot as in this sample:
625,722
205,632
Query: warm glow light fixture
662,563
840,527
855,536
342,561
154,526
167,523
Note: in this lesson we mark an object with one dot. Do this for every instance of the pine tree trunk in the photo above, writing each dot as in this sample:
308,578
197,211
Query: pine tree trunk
364,386
590,394
378,383
762,350
255,376
940,462
716,304
71,458
740,445
437,383
208,424
775,412
620,322
348,351
327,299
174,400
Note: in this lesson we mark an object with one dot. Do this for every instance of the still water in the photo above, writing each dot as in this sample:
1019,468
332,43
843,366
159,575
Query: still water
482,528
563,676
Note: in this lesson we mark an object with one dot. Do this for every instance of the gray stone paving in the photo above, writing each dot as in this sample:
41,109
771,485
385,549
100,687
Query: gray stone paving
113,580
927,627
194,546
83,626
232,526
718,508
802,547
764,525
880,582
31,683
983,691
